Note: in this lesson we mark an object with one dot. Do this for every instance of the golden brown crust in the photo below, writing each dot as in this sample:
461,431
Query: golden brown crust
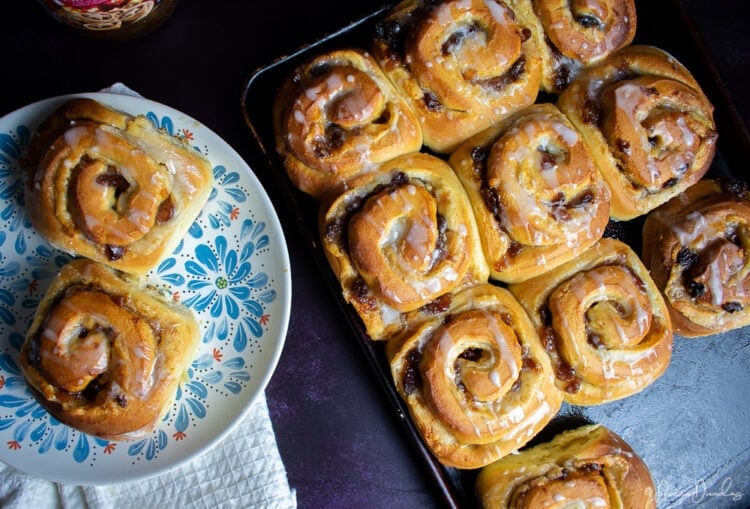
338,116
603,322
462,65
647,123
105,355
72,110
590,464
573,35
537,195
696,246
475,378
112,187
399,238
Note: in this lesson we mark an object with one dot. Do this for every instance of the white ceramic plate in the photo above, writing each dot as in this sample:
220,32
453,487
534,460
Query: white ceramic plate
232,270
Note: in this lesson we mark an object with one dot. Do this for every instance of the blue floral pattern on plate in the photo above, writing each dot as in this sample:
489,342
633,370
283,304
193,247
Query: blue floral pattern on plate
226,270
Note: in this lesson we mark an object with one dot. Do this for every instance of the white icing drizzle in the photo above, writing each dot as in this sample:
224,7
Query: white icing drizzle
519,154
537,415
91,221
568,135
695,227
443,14
139,219
73,135
501,341
432,285
608,368
715,284
333,82
687,134
450,274
389,315
661,130
313,93
516,415
495,378
498,11
627,98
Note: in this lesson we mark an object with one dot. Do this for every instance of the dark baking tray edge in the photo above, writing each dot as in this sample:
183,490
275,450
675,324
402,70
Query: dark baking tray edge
455,485
299,206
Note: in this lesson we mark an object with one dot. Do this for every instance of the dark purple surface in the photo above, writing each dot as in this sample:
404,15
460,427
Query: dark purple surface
342,444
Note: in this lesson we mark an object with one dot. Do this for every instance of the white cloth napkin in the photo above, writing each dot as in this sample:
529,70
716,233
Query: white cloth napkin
244,470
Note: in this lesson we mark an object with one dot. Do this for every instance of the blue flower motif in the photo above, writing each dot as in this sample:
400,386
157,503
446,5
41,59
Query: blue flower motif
190,398
164,270
232,374
215,278
224,284
165,123
238,376
8,365
28,417
226,194
7,304
10,270
218,274
11,186
11,147
45,263
150,446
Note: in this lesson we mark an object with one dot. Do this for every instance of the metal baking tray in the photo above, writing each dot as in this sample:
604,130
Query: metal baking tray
692,426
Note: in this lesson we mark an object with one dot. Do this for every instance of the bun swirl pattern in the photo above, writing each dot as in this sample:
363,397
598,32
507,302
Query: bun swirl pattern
462,64
697,247
585,467
338,116
537,194
104,356
648,124
112,187
475,378
399,238
603,322
576,34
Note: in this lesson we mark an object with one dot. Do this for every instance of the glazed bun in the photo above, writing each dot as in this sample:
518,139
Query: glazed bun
112,187
104,354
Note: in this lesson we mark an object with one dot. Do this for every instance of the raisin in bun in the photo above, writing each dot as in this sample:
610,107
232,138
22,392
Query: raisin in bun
603,321
337,116
105,354
648,124
576,34
537,194
697,247
462,65
475,378
112,187
399,238
588,466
